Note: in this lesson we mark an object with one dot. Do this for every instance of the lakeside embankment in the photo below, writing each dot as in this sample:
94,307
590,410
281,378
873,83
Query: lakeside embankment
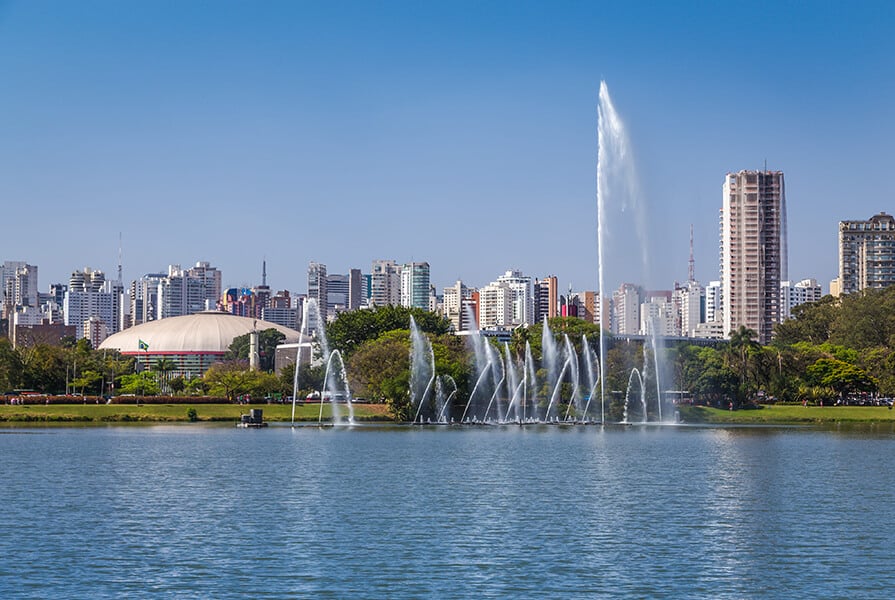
178,412
169,413
783,414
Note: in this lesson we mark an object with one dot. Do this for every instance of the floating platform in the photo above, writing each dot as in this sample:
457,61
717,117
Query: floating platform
253,420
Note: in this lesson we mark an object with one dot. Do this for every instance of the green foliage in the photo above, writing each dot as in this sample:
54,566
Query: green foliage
268,340
352,329
140,384
192,414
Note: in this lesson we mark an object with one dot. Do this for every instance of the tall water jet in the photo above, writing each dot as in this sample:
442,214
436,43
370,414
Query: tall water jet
589,365
530,387
549,354
335,387
422,368
443,403
635,373
617,188
513,384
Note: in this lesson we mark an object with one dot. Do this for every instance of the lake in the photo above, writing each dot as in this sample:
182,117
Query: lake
456,512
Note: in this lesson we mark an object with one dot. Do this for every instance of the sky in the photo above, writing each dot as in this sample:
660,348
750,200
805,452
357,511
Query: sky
463,134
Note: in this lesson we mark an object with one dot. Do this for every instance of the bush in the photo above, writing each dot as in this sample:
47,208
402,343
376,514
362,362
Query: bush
192,415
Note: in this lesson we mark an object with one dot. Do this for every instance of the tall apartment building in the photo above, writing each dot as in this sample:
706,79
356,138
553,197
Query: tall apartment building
317,290
452,305
496,306
753,250
866,254
523,296
19,287
546,298
85,306
337,292
356,289
793,294
657,315
625,319
415,285
690,299
385,283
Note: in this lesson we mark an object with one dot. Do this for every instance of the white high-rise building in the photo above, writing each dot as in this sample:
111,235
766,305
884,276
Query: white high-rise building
625,315
385,283
657,315
415,285
793,294
452,303
317,290
523,296
103,304
753,250
691,299
496,302
866,253
19,286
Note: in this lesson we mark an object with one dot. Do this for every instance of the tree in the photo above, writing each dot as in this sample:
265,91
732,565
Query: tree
163,366
381,369
843,377
353,328
740,349
268,340
139,384
229,378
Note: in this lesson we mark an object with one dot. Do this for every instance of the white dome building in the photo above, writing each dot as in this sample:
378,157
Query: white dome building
193,342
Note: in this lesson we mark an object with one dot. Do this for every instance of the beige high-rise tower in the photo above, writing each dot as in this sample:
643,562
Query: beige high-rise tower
753,250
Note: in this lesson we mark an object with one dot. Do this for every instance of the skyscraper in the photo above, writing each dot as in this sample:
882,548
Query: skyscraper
753,250
866,253
317,290
415,285
385,283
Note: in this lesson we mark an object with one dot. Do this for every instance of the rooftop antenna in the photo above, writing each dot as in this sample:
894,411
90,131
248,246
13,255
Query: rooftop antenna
264,272
691,267
119,257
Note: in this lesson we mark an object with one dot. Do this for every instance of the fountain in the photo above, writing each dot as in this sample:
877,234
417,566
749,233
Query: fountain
422,368
617,188
635,372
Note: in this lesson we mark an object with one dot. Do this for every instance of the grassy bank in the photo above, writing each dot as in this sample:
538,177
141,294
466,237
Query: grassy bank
166,413
788,414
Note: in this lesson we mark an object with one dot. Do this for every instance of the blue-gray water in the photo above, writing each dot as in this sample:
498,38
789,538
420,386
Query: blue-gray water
213,512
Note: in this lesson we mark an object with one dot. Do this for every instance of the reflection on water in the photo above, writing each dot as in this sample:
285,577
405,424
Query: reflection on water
448,512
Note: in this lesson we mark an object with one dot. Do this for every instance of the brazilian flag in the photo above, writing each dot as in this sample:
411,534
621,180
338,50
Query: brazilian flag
143,345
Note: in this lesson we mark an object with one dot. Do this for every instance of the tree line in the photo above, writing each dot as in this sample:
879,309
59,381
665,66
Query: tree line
829,351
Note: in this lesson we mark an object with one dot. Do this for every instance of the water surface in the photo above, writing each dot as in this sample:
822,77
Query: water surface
401,512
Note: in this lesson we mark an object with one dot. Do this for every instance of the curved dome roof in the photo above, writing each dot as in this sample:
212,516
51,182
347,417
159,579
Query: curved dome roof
209,331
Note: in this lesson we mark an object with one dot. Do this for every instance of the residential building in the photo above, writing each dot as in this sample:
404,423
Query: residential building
522,297
338,289
385,283
357,295
415,285
496,301
866,254
546,298
625,315
317,291
690,299
753,250
793,294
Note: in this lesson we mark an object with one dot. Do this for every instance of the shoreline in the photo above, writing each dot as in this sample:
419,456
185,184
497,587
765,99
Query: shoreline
77,414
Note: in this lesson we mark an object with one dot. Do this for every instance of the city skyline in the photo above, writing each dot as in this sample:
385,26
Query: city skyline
462,135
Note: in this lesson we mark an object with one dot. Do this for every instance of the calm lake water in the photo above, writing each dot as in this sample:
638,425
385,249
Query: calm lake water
400,512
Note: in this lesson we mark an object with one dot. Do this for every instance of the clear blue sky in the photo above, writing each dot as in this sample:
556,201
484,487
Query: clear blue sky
459,133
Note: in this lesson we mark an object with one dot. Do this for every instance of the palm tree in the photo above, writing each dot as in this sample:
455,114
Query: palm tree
742,344
164,366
